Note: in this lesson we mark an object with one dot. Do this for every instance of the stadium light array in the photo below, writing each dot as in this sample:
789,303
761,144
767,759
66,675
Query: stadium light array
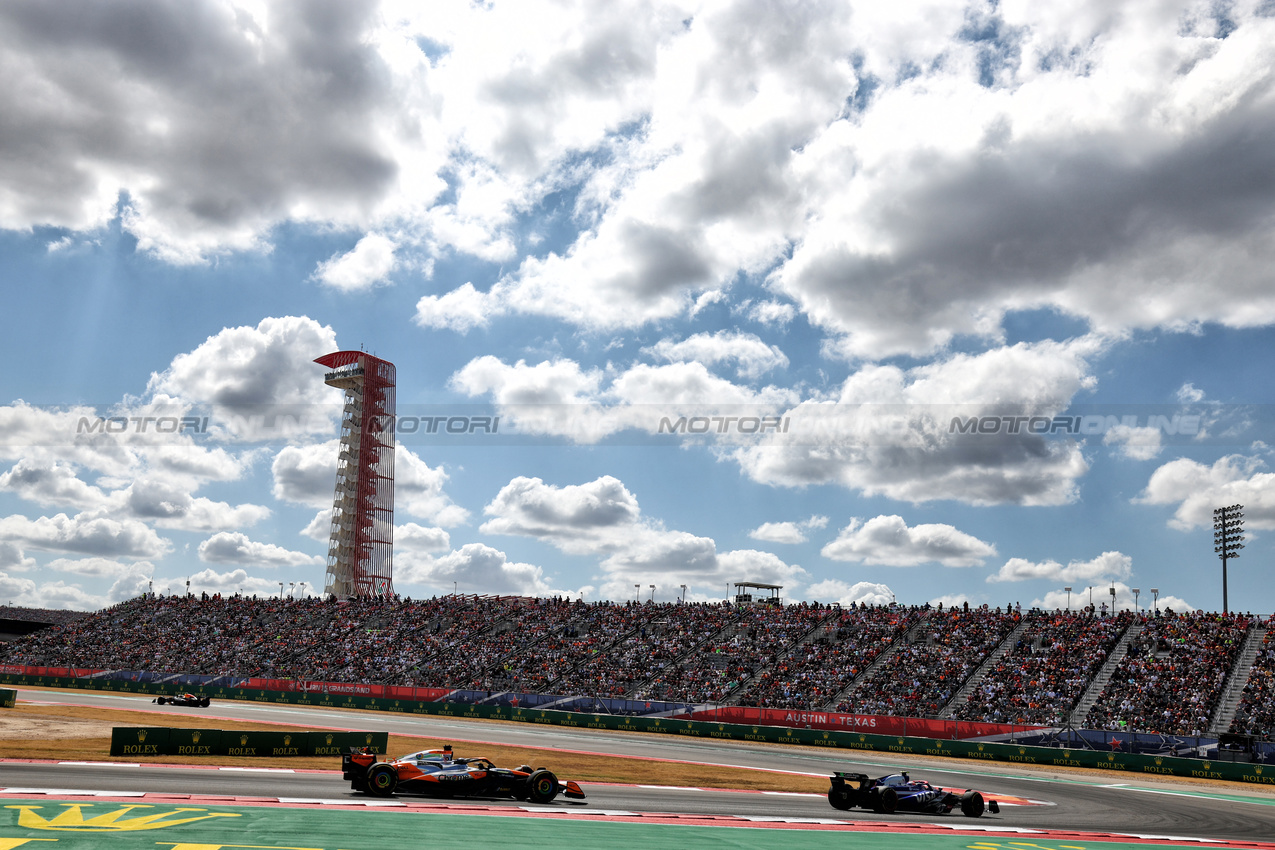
1228,534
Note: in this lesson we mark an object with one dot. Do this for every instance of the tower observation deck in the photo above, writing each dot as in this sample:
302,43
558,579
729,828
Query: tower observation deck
361,546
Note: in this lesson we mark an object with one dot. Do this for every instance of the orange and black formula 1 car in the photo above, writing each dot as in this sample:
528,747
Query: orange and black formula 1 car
192,700
436,773
899,792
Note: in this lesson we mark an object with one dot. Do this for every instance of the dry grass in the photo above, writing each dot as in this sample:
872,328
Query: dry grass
82,733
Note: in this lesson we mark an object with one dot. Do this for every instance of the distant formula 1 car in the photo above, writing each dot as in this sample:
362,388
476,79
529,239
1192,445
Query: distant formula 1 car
900,793
436,773
191,700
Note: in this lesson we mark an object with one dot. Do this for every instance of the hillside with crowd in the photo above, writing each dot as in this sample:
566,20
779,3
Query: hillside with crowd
886,660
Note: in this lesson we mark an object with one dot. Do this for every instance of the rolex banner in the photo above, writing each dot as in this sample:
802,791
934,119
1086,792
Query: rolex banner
135,741
8,697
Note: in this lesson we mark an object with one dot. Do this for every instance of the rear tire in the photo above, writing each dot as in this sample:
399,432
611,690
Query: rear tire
840,797
205,702
884,800
542,786
382,779
972,805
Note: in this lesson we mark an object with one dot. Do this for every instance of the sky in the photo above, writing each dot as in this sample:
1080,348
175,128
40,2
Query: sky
919,302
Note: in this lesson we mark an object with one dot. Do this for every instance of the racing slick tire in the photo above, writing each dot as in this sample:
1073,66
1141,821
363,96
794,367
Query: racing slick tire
161,700
382,779
972,804
884,800
542,786
841,797
205,702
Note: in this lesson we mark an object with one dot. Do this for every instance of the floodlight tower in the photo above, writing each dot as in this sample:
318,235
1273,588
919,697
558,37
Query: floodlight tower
1228,531
361,546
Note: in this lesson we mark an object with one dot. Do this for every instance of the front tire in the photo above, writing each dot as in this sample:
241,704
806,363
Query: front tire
382,779
161,700
972,805
542,786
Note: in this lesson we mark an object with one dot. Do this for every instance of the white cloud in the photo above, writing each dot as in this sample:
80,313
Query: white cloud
475,568
13,559
559,398
462,309
51,484
261,381
319,528
85,535
888,541
235,548
231,582
368,263
861,592
774,313
787,532
752,357
418,490
99,567
306,475
899,179
1189,394
1133,442
1197,489
414,538
1107,566
890,431
1125,599
602,518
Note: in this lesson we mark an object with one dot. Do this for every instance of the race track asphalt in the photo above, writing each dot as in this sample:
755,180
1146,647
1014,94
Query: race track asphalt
1088,802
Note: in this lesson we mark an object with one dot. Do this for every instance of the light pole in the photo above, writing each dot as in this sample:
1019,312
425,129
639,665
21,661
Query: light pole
652,599
291,588
1228,532
281,590
188,587
1113,600
683,594
1135,599
1068,589
455,588
1155,594
637,593
1091,597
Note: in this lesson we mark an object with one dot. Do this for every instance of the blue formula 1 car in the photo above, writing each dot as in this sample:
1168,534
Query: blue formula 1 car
900,793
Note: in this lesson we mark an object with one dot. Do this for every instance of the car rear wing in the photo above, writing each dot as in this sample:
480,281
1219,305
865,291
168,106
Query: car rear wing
356,761
858,780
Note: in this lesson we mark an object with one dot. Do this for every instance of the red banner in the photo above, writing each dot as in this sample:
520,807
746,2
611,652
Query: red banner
876,724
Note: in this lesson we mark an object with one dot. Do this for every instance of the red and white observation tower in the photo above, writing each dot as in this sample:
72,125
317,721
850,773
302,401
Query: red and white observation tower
361,547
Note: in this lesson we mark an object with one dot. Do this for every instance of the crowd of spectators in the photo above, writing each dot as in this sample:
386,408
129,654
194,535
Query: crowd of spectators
815,673
670,634
920,678
1256,712
804,656
1172,678
1040,680
717,668
41,615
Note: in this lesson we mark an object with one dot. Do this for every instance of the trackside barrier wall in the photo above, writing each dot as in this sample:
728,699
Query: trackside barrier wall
8,697
158,741
991,752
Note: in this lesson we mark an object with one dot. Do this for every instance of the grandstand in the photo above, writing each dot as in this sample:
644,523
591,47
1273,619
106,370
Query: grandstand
1172,674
